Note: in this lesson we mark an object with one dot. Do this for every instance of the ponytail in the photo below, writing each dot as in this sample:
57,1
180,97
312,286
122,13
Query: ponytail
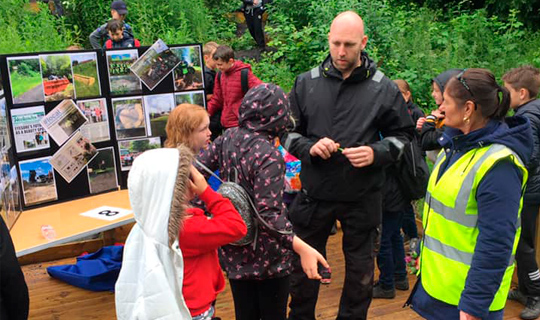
503,96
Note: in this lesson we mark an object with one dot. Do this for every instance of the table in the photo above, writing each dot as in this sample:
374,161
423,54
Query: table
66,220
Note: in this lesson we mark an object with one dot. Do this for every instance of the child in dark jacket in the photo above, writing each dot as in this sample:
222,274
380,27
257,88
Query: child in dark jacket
118,37
118,12
524,85
261,270
228,91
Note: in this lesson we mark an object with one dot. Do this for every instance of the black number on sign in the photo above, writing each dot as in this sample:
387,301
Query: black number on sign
109,213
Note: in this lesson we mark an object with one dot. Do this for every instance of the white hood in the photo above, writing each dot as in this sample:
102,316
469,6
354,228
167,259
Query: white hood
150,281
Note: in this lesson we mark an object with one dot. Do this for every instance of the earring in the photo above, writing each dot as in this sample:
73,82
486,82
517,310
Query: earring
466,119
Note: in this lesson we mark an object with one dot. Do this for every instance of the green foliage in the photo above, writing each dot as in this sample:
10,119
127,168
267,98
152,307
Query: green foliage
32,28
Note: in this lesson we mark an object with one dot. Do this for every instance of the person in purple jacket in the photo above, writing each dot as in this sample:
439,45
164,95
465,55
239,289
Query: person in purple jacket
259,273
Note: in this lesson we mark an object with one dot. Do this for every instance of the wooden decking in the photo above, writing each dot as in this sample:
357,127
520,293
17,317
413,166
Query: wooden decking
52,299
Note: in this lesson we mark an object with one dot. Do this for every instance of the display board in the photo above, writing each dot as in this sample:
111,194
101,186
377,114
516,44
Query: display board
71,123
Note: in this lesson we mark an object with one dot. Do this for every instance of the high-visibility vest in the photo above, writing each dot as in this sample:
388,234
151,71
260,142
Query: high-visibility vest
450,220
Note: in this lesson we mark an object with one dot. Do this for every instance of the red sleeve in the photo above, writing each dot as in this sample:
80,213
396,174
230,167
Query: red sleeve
202,234
216,103
253,81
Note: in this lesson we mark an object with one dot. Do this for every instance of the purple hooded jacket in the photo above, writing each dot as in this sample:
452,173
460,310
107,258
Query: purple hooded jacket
264,113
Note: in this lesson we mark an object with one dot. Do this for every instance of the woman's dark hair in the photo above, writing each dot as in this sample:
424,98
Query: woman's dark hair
480,87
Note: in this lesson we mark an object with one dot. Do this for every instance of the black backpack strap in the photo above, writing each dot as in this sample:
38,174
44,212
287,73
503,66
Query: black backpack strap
244,80
219,77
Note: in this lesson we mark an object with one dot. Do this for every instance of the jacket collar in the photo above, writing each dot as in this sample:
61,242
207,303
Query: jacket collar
366,69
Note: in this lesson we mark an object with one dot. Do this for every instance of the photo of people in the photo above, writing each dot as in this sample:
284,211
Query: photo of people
71,159
63,121
85,74
122,79
97,127
38,181
129,117
195,97
57,77
188,75
157,109
29,133
102,171
155,64
25,79
131,149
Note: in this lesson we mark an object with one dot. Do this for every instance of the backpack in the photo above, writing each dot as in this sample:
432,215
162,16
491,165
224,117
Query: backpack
412,172
245,206
243,79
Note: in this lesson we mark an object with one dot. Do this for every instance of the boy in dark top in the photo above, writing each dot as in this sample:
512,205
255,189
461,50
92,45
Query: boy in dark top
118,37
118,12
524,85
209,77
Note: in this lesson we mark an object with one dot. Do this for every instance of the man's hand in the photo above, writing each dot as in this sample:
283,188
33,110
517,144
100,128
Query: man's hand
465,316
324,148
359,156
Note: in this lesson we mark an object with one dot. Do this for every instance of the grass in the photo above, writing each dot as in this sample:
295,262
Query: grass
82,89
21,84
158,125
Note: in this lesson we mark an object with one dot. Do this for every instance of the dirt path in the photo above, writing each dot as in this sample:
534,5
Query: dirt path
33,95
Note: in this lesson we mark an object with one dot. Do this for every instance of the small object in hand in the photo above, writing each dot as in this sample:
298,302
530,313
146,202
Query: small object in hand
48,232
340,149
326,275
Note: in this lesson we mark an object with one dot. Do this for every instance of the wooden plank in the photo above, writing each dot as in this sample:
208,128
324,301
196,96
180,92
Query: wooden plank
53,299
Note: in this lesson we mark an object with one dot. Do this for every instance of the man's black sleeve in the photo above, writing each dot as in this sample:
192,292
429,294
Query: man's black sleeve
296,141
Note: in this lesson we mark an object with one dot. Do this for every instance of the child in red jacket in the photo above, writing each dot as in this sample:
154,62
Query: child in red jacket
201,236
229,87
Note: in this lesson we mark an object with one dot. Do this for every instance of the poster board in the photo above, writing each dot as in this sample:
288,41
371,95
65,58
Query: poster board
117,106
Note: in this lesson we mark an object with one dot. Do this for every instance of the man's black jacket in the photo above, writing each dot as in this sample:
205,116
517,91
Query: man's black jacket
357,111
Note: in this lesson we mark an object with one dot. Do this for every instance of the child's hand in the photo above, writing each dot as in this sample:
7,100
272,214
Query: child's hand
197,182
420,123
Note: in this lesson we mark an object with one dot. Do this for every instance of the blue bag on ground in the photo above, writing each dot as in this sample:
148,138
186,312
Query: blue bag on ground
96,271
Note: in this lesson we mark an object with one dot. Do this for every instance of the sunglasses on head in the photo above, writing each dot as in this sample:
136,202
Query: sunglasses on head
461,79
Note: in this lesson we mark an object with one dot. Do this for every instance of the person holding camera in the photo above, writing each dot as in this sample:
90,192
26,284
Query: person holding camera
253,12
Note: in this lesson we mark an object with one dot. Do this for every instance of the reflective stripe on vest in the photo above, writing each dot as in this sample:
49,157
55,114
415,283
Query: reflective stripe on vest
450,222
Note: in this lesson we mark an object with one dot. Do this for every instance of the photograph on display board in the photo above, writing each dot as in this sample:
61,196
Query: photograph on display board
122,80
97,127
129,117
158,107
57,77
38,181
188,75
29,134
85,74
131,149
73,156
195,97
25,79
102,171
155,64
63,121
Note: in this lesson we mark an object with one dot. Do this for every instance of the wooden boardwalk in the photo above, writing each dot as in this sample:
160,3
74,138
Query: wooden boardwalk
53,299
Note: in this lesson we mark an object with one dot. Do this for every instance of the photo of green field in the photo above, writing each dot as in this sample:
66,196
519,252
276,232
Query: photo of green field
25,77
158,107
86,75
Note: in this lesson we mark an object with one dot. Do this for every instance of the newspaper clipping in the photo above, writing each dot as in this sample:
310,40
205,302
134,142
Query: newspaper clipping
63,121
29,134
71,159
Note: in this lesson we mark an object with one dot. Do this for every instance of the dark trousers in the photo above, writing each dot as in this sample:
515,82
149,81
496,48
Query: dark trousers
260,299
312,221
528,274
391,257
254,23
409,222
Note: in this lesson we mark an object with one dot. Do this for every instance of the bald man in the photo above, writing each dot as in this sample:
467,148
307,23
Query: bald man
352,121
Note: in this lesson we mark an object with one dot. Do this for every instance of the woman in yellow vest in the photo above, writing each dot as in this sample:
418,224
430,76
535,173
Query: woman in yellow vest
471,210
